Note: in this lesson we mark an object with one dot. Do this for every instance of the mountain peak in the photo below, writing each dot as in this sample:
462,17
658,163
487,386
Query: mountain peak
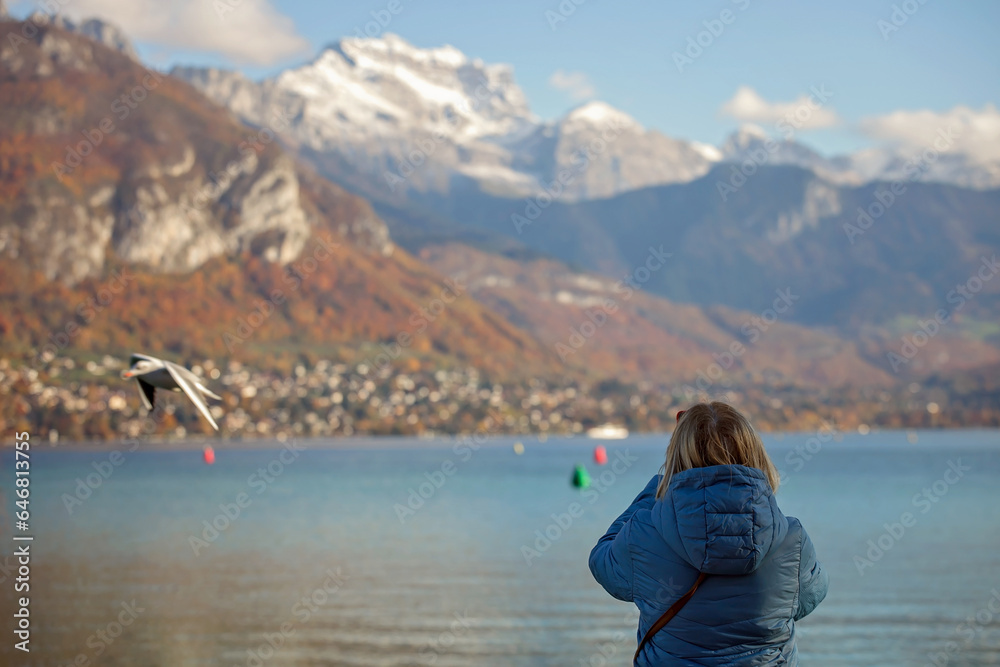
709,152
394,47
747,134
109,35
600,112
384,89
100,31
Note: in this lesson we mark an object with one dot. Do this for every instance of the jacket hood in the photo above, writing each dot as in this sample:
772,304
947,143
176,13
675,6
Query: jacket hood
720,519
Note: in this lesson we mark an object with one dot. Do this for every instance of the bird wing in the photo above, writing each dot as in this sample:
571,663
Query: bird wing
208,392
139,357
148,394
195,382
191,393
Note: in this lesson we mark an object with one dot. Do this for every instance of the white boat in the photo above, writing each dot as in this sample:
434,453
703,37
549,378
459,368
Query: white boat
608,432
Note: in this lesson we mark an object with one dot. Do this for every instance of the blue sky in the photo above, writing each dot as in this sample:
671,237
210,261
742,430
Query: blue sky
944,55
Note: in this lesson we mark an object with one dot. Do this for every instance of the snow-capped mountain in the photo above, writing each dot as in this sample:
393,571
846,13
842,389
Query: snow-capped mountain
419,118
956,168
600,151
408,120
406,116
885,163
753,143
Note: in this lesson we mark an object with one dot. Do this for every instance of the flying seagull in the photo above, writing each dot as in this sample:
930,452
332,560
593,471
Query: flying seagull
151,373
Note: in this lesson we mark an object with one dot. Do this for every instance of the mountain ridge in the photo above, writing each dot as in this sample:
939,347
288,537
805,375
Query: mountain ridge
180,149
750,207
519,153
190,202
462,119
297,287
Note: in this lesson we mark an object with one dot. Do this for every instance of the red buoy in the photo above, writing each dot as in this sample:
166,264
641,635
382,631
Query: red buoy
600,455
209,454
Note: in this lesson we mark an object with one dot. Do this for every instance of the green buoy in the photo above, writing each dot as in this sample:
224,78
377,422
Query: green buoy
581,478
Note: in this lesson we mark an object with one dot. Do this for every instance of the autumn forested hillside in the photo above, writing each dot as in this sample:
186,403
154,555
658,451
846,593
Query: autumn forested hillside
151,142
135,215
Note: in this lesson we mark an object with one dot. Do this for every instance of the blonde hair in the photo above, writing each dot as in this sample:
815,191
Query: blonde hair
711,434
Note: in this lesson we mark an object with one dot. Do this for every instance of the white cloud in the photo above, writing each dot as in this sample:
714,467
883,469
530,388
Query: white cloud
975,134
576,84
805,112
245,31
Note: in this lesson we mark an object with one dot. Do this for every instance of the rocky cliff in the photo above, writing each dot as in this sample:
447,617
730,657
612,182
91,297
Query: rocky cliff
423,120
227,246
108,159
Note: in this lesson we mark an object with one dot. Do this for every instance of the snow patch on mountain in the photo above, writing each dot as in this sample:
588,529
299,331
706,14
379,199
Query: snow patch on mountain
708,151
416,122
596,113
883,163
409,117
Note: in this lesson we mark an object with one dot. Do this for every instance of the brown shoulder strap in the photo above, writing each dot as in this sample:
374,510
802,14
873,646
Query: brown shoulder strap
669,614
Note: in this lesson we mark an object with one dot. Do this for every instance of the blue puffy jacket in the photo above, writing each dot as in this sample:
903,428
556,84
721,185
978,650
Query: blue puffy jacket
761,565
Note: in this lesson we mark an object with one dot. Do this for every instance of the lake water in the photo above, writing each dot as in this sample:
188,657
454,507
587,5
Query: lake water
323,563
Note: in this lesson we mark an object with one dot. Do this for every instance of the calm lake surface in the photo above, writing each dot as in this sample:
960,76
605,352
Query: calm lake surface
324,562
